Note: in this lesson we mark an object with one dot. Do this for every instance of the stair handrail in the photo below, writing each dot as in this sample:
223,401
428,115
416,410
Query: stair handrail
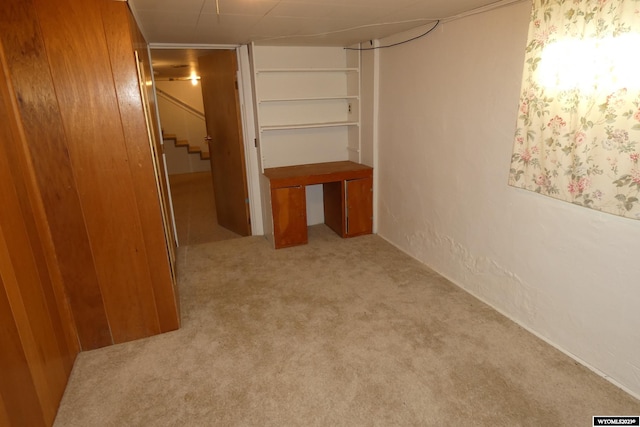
181,104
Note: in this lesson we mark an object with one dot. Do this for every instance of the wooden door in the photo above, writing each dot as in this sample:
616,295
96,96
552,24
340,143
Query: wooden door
218,73
359,200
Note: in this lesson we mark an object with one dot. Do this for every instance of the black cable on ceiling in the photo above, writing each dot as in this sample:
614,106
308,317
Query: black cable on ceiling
396,44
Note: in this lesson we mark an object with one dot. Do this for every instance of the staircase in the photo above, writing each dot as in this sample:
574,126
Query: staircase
191,149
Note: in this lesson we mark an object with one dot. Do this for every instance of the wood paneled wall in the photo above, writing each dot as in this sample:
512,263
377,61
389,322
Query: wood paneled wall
38,340
85,251
81,70
46,143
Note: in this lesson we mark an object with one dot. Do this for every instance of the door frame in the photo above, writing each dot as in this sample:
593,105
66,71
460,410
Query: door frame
248,127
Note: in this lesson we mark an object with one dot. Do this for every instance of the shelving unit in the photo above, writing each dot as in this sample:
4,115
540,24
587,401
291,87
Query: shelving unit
308,104
307,112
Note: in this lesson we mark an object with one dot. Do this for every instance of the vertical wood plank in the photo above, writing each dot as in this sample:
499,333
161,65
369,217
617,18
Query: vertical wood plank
39,356
33,215
140,45
29,75
36,317
4,414
44,344
17,390
119,33
79,60
25,283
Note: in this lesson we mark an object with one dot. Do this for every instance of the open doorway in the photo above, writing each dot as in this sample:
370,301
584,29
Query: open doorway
199,217
194,209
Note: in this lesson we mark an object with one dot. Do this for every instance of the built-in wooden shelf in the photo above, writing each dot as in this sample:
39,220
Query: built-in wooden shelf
308,126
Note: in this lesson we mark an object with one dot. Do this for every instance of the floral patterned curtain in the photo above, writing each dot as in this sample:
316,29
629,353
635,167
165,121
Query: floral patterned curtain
578,128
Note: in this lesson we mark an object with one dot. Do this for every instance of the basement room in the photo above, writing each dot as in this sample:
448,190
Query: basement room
319,213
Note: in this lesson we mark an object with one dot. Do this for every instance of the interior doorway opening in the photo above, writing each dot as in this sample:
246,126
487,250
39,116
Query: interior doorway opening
187,151
194,209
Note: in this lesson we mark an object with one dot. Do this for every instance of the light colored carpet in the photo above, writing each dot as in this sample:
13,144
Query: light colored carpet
195,210
335,333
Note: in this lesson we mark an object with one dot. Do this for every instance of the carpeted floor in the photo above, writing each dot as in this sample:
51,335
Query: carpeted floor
340,332
195,210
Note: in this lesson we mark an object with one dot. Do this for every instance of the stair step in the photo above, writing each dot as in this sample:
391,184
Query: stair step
191,149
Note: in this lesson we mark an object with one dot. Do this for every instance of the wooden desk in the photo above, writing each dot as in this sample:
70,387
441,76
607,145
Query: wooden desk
348,199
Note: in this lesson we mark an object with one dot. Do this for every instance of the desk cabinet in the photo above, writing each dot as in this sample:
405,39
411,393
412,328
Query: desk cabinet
348,206
359,206
347,196
289,216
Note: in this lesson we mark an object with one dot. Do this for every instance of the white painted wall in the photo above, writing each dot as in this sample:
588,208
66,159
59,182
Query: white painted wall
448,104
185,91
176,120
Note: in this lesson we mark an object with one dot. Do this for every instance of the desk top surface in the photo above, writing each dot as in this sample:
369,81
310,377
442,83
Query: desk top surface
317,173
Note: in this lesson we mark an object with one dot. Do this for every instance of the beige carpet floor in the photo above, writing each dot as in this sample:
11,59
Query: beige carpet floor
335,333
195,210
